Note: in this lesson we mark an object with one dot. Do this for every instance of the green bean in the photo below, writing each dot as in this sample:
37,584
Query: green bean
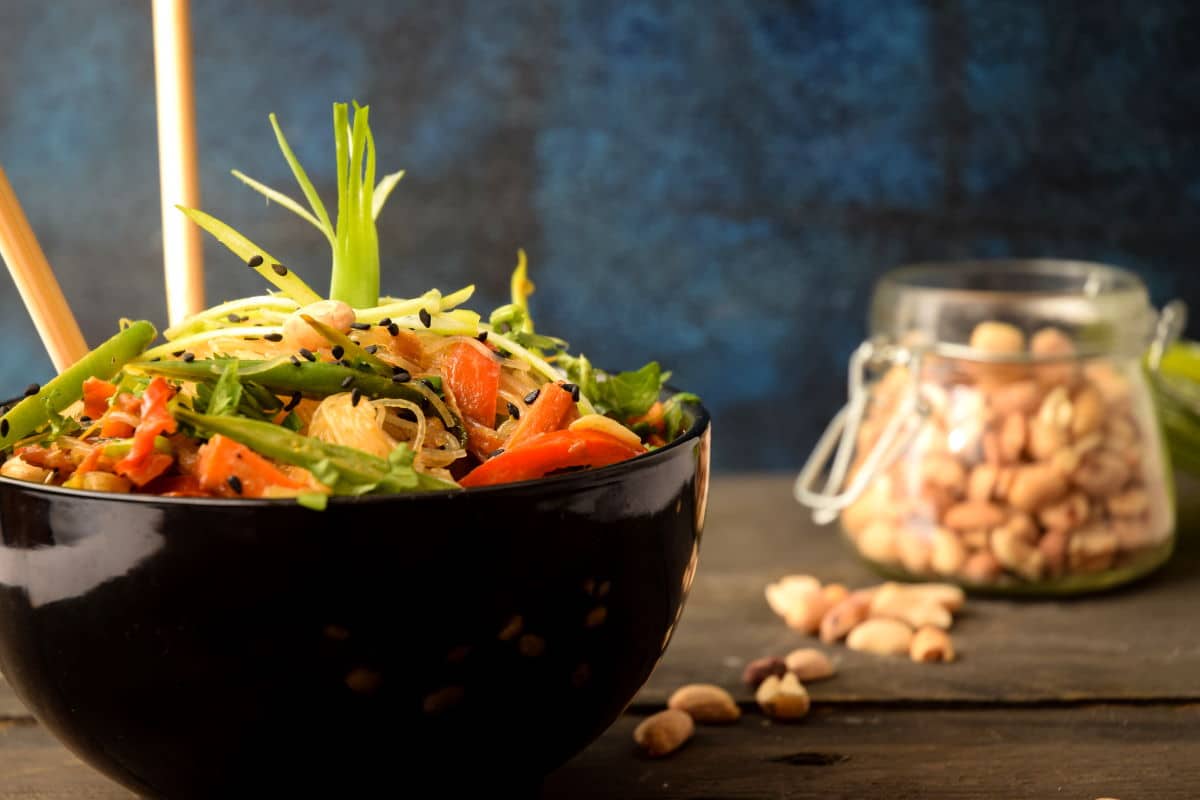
120,448
352,350
312,379
104,362
345,470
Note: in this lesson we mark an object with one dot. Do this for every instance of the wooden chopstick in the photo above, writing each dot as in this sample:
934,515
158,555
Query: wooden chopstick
183,252
36,283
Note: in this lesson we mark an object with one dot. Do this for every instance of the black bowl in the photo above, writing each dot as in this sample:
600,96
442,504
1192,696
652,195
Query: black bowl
216,648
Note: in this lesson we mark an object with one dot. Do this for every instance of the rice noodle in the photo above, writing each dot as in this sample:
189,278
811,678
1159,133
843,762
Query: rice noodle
338,420
415,429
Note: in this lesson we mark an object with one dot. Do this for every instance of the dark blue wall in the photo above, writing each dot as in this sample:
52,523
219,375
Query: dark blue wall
714,183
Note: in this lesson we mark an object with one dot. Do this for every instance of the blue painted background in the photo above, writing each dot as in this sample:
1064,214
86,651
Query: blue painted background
714,183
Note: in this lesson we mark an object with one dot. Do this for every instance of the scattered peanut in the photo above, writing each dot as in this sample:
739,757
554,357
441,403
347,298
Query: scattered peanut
663,733
931,644
842,618
760,669
881,636
705,703
809,664
798,599
783,698
894,601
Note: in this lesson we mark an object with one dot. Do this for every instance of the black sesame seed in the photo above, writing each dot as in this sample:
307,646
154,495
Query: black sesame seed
280,269
344,362
307,355
372,349
274,337
255,261
295,361
3,427
32,389
338,351
295,401
157,358
235,318
573,389
394,329
346,381
426,319
235,483
177,353
355,396
400,375
85,419
360,326
495,453
385,322
532,397
482,337
189,357
513,411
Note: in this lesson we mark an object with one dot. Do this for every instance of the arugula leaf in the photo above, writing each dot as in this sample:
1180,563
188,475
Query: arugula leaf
674,419
227,393
622,395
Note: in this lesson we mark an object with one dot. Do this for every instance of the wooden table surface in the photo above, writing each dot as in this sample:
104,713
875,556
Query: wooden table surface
1096,697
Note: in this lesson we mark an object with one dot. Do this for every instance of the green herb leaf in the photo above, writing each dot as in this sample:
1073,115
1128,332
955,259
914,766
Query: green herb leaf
383,191
306,185
521,287
282,199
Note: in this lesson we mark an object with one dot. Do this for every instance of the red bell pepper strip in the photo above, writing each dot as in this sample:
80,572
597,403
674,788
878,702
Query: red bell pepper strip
143,464
119,429
95,397
224,467
547,452
474,380
550,412
177,486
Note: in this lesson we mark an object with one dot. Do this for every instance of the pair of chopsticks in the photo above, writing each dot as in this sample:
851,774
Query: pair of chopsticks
179,183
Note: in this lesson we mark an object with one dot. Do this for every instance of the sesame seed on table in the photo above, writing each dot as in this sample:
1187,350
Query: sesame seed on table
1085,698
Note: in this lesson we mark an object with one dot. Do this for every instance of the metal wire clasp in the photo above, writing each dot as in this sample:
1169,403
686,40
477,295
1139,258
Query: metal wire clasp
840,437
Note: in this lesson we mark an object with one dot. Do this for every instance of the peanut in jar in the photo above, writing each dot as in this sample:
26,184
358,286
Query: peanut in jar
1007,440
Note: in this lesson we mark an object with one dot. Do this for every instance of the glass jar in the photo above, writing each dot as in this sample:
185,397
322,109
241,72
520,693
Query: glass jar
1000,431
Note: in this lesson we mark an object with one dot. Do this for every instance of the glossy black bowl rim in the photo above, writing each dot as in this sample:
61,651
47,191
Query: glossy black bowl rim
565,483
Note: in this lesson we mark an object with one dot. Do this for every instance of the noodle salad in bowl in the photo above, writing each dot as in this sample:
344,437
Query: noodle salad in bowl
294,395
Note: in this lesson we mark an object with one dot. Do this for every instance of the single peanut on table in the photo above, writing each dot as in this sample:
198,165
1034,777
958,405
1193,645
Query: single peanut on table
663,733
809,664
783,698
705,703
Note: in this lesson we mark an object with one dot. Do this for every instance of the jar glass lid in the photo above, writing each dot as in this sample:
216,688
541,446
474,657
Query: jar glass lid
1104,309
